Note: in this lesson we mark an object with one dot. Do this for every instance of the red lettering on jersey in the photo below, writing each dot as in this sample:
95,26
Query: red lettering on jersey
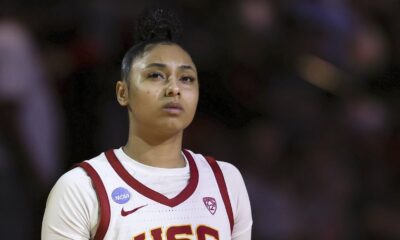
204,231
156,234
173,231
140,237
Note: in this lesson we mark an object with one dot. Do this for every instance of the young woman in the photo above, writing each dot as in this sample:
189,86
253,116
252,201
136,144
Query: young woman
151,188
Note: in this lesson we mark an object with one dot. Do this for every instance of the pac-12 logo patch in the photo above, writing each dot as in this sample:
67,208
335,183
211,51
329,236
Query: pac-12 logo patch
121,195
211,204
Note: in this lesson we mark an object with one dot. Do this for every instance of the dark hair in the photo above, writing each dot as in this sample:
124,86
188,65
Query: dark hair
153,27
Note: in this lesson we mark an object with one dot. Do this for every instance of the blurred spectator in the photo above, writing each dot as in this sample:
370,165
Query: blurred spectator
30,136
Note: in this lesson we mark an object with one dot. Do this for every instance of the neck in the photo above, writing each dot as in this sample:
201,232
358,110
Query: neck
164,153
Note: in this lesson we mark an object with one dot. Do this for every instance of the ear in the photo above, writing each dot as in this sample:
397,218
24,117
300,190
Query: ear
121,90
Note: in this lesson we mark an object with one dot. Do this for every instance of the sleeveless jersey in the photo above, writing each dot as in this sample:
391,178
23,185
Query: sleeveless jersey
131,210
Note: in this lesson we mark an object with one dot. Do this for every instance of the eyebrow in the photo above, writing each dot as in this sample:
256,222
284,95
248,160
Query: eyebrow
162,65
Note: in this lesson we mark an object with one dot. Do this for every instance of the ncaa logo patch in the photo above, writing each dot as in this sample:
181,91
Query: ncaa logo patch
211,204
121,195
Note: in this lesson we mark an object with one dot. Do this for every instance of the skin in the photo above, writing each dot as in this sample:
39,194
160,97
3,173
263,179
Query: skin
165,74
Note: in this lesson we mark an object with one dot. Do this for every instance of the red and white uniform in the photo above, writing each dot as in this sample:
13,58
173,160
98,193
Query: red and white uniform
128,200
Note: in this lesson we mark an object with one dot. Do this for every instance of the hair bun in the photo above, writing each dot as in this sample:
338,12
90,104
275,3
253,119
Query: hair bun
159,24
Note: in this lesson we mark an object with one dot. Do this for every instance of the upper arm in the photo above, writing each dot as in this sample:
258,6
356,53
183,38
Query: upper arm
239,200
71,208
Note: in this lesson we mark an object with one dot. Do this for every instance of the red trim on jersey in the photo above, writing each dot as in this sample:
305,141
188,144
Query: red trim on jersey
150,193
219,176
103,200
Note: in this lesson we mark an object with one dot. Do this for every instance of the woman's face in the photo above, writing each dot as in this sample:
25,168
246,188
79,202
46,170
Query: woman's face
163,90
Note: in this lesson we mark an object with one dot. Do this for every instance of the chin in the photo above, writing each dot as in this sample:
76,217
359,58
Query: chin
172,126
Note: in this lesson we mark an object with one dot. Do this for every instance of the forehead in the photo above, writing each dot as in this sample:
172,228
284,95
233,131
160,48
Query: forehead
168,54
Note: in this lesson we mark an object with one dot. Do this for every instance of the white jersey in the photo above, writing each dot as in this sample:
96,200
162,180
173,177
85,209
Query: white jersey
128,209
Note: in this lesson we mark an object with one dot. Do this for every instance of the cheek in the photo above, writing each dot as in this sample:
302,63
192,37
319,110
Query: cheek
196,96
137,99
193,100
143,100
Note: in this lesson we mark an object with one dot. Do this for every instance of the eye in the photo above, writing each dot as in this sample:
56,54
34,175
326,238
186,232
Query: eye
156,76
187,79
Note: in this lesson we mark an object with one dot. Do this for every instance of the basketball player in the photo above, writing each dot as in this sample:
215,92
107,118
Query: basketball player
151,188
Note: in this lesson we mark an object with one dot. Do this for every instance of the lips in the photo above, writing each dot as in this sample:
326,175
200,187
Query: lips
173,108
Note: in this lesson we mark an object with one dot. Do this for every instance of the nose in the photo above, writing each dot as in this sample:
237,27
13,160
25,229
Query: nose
172,89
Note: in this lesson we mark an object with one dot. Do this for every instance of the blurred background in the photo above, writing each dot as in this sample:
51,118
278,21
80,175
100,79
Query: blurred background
303,96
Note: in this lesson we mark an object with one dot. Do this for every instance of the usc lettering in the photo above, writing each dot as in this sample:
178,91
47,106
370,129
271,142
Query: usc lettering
183,232
203,231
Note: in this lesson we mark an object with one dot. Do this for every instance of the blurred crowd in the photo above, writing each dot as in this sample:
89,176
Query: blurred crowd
303,96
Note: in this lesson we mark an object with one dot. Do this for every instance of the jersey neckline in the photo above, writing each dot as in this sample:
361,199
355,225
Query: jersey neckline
132,165
150,193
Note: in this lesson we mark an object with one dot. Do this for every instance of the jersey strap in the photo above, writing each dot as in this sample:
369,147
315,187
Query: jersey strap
222,188
103,200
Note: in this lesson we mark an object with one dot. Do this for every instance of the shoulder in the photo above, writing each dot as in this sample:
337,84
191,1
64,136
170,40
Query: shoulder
238,197
234,181
72,200
77,177
98,160
229,171
71,184
72,207
75,187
